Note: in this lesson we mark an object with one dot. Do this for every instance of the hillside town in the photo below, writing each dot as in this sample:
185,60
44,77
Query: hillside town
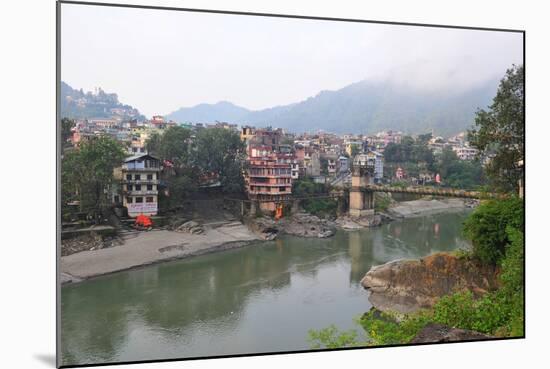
274,159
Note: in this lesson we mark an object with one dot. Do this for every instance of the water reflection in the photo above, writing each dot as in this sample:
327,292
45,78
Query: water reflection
259,298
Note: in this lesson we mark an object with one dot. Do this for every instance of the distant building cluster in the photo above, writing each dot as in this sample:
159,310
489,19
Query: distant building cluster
275,158
458,143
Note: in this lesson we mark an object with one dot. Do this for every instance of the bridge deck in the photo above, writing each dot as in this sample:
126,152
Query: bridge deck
445,192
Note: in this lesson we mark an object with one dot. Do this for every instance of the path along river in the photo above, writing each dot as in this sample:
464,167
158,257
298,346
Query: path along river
259,298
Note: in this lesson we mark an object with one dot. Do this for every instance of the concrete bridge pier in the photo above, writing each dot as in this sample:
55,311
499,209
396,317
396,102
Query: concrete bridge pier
361,200
361,203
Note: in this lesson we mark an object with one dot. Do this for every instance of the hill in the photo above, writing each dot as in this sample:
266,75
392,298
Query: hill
362,107
79,104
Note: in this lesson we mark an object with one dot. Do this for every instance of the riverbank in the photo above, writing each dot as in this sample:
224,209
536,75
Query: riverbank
407,209
147,248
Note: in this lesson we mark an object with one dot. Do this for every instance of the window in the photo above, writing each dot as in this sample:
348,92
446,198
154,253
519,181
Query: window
129,200
138,187
149,199
129,187
149,176
139,200
138,177
149,187
282,189
129,177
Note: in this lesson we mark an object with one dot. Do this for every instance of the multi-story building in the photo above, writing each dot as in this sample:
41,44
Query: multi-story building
465,152
343,162
140,179
269,175
372,159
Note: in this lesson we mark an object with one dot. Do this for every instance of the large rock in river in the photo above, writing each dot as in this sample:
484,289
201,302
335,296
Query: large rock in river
406,286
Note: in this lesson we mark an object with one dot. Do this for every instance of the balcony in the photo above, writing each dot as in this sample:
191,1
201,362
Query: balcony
270,184
141,181
132,168
139,193
272,193
269,175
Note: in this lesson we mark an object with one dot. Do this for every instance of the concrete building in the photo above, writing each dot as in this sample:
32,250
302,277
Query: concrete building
140,179
465,152
343,162
374,160
269,175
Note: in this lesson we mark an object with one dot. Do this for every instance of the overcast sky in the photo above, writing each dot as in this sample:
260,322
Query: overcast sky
159,61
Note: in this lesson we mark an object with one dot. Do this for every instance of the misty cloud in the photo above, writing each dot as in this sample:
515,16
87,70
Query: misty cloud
162,60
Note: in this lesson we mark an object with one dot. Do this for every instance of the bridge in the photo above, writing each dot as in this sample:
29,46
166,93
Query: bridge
361,195
430,191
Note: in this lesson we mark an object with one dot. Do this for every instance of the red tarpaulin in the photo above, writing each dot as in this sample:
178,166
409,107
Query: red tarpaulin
144,221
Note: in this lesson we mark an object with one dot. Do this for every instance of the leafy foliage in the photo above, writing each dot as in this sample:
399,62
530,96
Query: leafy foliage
320,207
66,126
409,151
173,145
487,227
331,337
220,151
385,329
87,173
500,131
458,173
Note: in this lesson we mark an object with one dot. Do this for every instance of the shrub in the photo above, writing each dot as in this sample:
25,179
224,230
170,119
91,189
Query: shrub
331,337
385,329
486,227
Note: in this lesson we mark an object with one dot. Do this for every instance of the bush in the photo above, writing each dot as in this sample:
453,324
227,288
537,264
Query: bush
385,329
331,337
486,228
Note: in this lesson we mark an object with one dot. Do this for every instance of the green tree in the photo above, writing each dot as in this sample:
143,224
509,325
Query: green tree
66,126
499,132
173,145
220,151
487,227
87,173
458,173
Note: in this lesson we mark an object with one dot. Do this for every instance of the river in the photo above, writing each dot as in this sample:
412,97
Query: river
259,298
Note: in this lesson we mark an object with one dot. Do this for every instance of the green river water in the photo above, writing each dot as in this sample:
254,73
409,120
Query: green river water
259,298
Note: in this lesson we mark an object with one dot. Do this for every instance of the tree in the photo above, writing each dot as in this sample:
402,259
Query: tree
87,173
488,228
173,145
499,132
219,151
458,173
66,127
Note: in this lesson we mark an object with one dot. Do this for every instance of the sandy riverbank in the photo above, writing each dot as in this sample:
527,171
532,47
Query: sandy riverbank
407,209
152,247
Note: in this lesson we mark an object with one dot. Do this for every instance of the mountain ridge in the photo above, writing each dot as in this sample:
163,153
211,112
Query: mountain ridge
362,107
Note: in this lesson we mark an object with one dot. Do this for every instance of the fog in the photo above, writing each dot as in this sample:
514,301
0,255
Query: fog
159,61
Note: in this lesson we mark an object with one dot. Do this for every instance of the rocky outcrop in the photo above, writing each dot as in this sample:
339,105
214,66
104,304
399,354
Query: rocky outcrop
264,227
88,242
306,225
408,285
300,224
434,332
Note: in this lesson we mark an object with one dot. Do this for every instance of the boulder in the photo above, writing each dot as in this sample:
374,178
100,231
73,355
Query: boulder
406,286
434,332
